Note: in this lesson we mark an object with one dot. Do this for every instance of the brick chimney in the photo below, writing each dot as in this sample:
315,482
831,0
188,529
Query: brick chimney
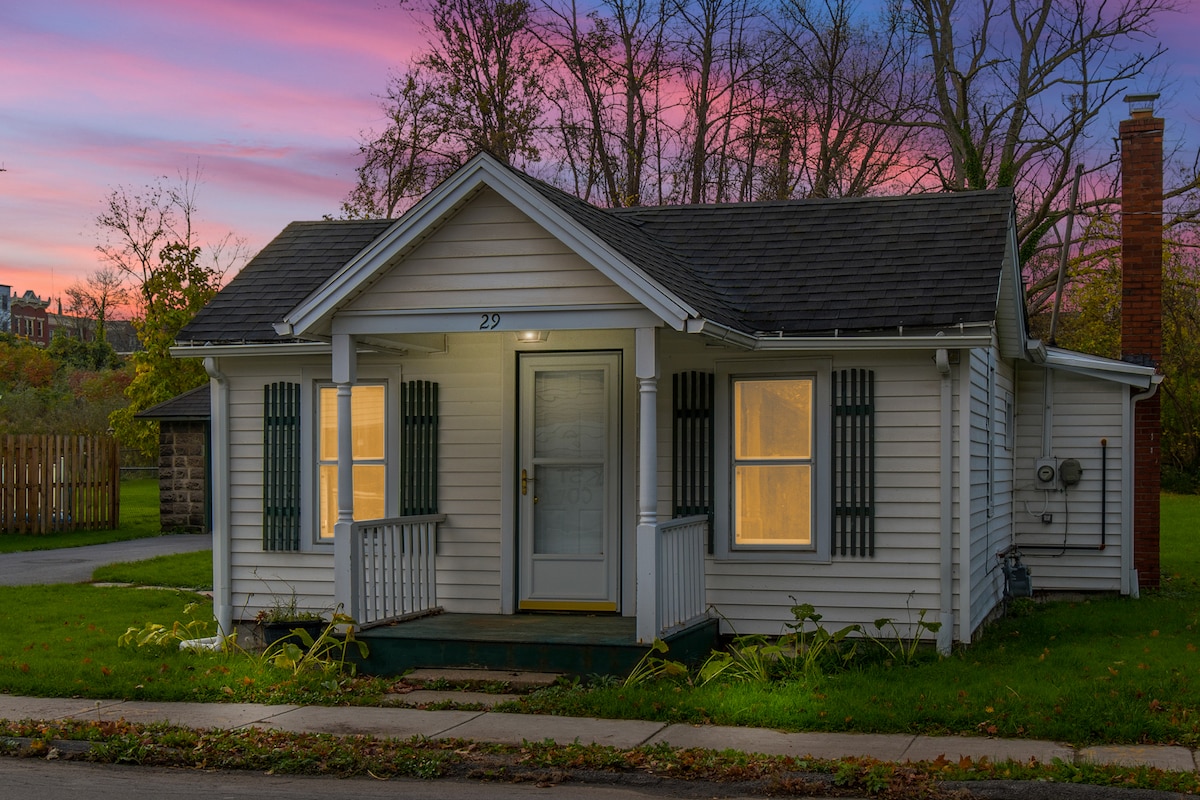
1141,313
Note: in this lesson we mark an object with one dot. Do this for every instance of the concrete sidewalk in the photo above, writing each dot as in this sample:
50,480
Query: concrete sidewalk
491,726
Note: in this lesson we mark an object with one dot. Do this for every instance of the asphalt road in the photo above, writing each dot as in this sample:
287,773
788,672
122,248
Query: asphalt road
34,778
76,564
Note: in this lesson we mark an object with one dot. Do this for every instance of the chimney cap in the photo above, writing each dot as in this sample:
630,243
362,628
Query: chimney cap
1141,105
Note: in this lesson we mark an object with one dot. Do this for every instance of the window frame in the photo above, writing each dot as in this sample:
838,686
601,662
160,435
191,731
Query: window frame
310,407
818,370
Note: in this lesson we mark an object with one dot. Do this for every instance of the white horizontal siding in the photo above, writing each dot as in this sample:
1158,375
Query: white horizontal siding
903,577
991,468
261,578
490,255
1064,554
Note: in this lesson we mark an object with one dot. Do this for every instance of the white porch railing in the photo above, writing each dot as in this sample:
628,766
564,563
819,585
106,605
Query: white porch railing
681,546
392,567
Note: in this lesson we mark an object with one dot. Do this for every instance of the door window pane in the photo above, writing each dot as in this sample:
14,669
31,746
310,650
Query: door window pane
569,409
570,511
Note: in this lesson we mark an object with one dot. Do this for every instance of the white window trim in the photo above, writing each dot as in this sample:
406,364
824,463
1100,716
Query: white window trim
312,380
818,551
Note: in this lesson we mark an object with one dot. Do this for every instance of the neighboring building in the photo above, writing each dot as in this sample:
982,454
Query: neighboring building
183,461
30,318
5,309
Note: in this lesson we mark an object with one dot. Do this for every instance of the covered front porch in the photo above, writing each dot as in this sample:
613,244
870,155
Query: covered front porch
391,575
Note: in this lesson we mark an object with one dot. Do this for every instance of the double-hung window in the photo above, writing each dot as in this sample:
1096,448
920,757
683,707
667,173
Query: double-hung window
369,451
773,460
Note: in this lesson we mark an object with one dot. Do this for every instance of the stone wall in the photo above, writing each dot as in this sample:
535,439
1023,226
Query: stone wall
182,476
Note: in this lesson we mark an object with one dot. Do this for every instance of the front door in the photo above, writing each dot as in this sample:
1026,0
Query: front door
568,484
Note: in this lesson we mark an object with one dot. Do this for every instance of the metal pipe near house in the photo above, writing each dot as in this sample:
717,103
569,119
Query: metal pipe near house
945,635
1103,493
222,546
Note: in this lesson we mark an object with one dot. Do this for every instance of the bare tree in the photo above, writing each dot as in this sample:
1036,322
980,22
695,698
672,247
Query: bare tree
850,84
715,51
1017,86
488,70
136,226
409,157
615,63
96,297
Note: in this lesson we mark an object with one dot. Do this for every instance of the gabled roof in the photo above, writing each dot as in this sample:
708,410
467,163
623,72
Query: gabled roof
782,269
193,405
295,263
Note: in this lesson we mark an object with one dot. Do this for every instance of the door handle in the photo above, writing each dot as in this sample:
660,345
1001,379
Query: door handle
525,485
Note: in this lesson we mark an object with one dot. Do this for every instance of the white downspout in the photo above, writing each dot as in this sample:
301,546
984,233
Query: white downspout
1130,579
945,635
221,533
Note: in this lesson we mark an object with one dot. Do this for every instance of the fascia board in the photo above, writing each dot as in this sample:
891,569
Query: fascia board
1012,289
438,204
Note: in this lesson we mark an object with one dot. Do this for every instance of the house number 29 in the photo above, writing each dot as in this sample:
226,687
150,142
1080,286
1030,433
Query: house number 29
489,321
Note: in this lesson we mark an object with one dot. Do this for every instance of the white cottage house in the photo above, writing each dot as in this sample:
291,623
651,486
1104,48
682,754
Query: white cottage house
510,404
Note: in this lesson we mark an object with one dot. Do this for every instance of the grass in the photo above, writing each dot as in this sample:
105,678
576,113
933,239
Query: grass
181,570
139,519
1102,670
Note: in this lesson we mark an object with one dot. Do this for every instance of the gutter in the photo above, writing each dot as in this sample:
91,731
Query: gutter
766,342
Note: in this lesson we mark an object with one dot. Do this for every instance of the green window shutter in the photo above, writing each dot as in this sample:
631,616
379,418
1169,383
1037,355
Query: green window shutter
854,462
281,466
418,448
692,465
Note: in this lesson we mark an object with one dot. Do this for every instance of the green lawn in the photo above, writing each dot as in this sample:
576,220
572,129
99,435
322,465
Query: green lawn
139,519
182,570
1107,669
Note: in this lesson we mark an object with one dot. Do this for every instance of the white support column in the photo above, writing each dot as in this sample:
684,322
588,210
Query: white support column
646,370
345,372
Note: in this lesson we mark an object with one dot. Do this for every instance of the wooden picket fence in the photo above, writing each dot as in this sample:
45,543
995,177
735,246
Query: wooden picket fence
58,483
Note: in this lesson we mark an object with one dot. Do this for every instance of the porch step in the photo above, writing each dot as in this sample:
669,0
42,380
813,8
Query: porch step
516,681
547,643
458,688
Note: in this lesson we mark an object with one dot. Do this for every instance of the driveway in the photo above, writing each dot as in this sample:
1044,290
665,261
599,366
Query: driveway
76,564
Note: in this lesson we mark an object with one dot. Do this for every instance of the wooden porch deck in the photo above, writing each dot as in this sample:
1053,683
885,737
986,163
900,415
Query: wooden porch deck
569,643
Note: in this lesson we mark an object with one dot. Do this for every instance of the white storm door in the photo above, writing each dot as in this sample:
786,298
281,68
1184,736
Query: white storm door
568,482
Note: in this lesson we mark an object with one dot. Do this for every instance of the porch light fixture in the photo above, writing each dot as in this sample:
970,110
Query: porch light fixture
1141,105
532,336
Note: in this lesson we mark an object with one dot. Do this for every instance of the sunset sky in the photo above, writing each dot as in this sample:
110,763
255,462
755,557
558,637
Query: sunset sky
266,98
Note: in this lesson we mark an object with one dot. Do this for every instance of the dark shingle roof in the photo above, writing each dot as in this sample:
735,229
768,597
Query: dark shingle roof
192,405
797,268
289,269
809,267
814,266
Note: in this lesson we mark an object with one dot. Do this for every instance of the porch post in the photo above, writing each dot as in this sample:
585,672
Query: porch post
646,369
345,369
